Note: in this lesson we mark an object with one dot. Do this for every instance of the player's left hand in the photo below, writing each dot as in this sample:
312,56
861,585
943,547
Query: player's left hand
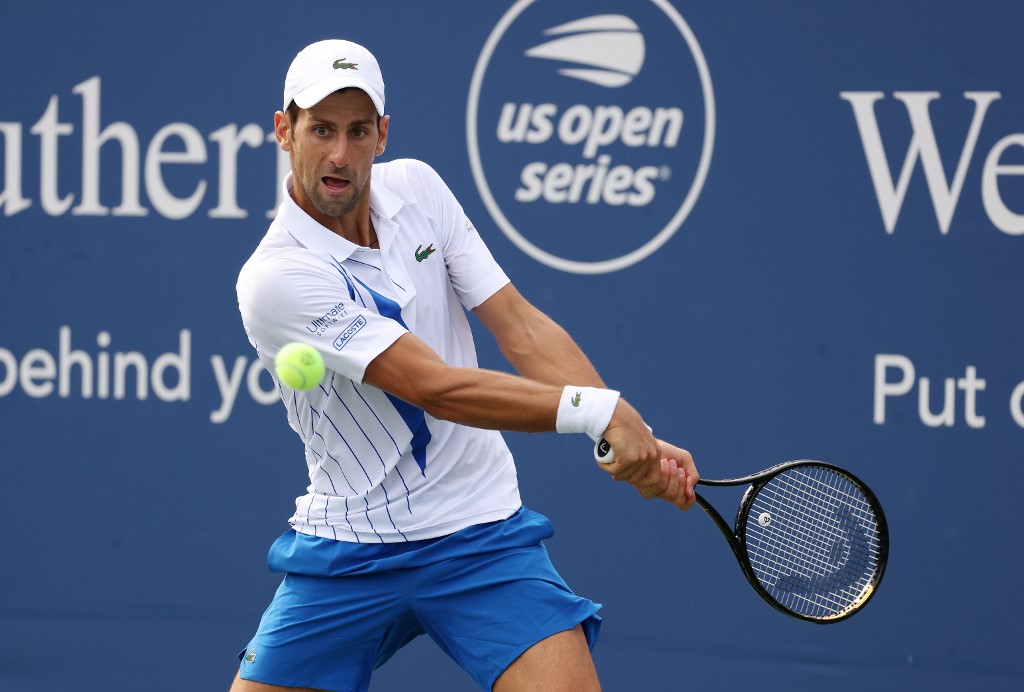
678,478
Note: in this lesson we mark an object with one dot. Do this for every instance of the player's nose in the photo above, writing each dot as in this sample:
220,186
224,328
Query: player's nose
337,153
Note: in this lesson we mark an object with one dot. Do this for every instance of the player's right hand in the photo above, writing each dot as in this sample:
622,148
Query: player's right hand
677,481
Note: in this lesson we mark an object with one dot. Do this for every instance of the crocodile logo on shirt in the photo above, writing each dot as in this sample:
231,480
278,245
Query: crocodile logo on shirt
424,254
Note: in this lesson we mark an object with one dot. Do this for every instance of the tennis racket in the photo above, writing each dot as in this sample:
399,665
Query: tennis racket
810,537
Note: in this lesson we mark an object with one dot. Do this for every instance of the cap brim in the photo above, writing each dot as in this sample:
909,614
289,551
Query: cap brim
312,95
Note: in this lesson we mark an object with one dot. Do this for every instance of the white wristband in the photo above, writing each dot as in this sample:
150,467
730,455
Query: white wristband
586,410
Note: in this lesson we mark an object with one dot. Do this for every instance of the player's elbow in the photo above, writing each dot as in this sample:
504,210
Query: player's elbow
409,370
442,400
437,393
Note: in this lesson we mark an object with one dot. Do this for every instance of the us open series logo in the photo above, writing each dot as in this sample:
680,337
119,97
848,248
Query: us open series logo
590,132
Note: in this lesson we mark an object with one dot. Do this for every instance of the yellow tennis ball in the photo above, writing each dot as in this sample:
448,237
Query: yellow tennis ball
300,366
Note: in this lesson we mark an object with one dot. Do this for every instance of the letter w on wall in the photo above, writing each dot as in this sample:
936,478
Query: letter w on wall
922,146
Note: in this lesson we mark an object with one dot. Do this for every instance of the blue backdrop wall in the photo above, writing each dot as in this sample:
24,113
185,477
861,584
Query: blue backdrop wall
783,229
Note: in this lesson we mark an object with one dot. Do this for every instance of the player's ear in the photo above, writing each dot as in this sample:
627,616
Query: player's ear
382,135
282,130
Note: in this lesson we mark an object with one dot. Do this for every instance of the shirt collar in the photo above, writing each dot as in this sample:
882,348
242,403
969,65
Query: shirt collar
384,205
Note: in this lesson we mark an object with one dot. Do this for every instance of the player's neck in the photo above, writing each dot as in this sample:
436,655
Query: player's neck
360,232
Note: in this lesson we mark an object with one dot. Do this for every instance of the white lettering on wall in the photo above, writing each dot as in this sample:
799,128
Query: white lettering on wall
924,148
174,144
896,376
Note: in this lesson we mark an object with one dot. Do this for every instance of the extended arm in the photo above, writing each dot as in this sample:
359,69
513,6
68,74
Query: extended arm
540,349
548,359
410,370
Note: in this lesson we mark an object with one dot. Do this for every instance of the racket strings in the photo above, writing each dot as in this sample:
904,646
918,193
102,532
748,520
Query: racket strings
830,549
813,541
820,543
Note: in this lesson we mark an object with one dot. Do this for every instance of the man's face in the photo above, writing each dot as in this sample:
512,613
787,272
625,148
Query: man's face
332,146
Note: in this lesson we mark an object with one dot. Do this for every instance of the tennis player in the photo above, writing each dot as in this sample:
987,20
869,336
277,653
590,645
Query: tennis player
412,521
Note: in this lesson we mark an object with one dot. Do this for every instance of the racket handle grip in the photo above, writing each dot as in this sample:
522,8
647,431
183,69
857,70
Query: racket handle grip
603,452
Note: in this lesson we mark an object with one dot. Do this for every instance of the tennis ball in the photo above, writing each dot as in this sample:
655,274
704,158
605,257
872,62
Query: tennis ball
300,366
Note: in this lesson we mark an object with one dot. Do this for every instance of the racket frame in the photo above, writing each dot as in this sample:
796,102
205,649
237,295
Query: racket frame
736,536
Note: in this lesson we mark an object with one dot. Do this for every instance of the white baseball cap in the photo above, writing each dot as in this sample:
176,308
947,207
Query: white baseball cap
323,67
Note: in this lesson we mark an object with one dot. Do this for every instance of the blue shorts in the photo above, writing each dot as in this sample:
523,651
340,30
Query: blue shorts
484,594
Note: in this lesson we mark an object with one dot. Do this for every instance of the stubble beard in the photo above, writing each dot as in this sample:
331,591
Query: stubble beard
332,208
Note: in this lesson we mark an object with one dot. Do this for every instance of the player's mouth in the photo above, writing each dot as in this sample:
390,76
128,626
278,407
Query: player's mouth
334,186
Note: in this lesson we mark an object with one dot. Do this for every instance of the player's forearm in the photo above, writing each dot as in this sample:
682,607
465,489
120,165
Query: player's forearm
410,370
544,351
493,400
533,343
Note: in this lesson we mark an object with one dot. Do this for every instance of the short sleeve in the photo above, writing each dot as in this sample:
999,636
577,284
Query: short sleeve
289,298
474,273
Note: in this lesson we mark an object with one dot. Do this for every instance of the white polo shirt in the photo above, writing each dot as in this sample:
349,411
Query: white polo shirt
380,469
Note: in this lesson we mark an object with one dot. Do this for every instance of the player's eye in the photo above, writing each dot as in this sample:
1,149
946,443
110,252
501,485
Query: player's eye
321,131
